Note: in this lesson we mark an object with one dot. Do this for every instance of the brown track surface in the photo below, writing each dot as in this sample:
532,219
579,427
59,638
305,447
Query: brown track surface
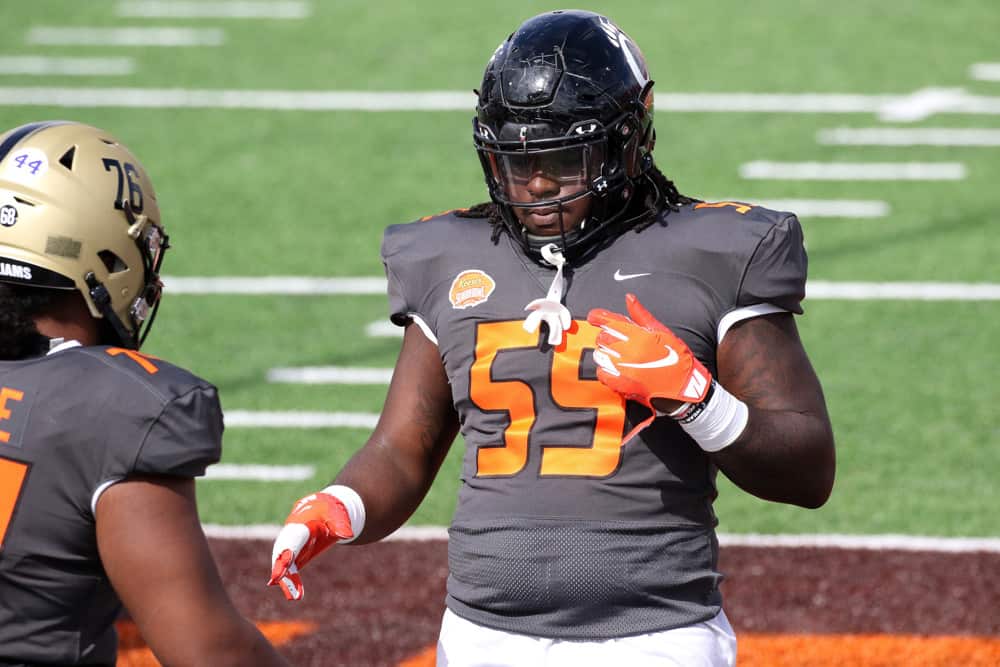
381,604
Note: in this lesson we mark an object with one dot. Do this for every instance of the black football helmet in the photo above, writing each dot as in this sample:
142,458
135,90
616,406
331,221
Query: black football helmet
568,93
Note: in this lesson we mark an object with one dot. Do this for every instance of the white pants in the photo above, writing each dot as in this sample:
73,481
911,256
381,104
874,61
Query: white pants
466,644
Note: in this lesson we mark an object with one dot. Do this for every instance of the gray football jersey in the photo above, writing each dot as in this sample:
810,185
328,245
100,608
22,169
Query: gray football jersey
560,530
70,423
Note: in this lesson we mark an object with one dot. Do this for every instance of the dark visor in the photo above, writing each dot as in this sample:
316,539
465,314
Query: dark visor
572,169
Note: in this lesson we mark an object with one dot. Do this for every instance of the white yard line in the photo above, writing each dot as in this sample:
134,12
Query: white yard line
920,104
817,289
274,100
233,9
274,285
876,542
383,329
853,171
821,289
93,36
299,419
330,375
53,66
259,473
822,208
985,71
897,136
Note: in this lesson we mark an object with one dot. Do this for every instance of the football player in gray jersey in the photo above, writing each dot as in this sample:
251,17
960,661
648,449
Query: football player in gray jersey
605,345
99,443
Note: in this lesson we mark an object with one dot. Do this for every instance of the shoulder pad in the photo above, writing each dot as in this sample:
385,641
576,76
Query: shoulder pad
158,376
736,210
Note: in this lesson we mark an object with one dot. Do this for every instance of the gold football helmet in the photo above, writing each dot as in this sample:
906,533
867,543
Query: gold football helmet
78,211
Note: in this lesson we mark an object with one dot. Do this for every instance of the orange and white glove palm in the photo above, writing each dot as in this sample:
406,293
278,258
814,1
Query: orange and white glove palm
641,359
316,522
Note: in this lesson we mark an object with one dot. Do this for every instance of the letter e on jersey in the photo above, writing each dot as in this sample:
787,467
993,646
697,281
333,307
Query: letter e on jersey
8,395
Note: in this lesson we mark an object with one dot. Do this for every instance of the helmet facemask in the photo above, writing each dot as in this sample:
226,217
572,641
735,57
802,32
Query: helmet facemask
152,243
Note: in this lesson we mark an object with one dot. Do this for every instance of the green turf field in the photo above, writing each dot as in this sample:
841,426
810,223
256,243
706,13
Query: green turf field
910,384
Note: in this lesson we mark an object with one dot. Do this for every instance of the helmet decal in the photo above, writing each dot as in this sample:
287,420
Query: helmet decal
78,212
8,215
617,37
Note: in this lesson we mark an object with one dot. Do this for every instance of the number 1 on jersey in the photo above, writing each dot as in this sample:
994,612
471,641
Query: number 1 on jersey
12,476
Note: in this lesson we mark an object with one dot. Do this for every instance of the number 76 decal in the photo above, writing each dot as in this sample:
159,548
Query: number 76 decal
569,391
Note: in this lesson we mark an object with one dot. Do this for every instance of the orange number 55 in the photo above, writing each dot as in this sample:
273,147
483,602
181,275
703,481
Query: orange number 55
12,476
516,397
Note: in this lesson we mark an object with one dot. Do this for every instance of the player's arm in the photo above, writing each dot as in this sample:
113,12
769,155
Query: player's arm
156,557
393,471
385,481
786,451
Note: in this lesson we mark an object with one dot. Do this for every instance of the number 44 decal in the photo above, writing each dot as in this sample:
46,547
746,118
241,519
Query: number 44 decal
569,391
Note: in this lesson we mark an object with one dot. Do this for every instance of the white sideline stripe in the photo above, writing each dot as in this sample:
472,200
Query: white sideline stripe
985,71
820,289
175,9
822,208
297,419
853,171
817,289
920,104
163,36
330,375
876,542
897,136
383,329
275,285
259,473
50,66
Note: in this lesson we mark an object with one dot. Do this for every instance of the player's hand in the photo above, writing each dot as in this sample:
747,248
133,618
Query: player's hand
642,359
317,521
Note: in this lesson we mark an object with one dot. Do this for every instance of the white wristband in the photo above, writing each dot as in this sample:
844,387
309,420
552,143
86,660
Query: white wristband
353,504
720,421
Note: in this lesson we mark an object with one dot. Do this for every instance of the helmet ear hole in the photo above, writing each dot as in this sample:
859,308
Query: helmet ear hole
112,262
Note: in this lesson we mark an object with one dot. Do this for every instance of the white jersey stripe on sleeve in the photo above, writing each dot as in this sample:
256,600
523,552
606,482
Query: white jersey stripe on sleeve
745,313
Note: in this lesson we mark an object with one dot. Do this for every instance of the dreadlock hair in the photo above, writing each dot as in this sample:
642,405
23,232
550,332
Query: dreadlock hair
19,338
655,192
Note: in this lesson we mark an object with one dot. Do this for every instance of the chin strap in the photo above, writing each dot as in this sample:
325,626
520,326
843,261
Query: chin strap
550,309
102,299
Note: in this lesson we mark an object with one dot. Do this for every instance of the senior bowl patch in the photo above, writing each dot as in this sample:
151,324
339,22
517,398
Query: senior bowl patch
471,288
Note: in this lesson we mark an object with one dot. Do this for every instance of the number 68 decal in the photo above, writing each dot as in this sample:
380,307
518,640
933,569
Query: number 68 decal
569,391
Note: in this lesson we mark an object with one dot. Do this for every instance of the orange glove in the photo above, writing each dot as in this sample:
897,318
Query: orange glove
316,522
642,359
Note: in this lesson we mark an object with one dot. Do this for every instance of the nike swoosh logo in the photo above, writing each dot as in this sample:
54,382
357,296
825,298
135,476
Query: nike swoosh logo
619,276
669,360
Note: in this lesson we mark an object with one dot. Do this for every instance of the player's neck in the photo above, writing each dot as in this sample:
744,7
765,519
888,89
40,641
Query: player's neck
69,319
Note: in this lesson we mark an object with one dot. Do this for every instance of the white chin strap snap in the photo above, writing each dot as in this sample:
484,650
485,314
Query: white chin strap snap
550,309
